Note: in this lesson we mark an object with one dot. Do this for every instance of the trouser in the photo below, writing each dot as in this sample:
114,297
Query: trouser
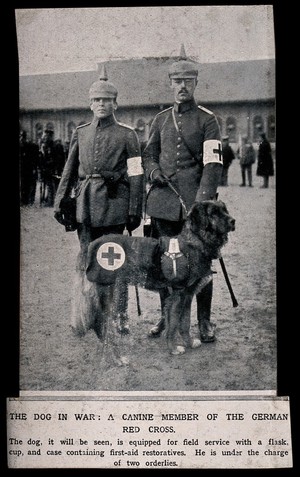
49,190
28,189
108,298
246,169
159,228
266,181
224,177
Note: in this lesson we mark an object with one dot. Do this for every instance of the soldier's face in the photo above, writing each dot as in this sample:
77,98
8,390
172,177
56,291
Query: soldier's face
183,88
103,107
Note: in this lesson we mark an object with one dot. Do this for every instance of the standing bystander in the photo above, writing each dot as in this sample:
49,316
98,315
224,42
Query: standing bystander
265,166
246,154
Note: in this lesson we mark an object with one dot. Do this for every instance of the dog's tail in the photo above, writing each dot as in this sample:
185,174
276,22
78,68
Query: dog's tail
85,304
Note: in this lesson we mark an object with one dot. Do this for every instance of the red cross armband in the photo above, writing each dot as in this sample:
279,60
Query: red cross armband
134,166
212,151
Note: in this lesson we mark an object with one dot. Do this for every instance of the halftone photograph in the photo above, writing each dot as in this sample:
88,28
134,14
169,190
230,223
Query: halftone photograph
147,161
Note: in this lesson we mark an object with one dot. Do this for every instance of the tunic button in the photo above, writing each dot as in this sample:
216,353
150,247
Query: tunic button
178,145
178,153
95,168
178,162
180,115
179,138
179,122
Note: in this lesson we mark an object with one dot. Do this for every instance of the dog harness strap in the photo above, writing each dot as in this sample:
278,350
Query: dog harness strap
174,253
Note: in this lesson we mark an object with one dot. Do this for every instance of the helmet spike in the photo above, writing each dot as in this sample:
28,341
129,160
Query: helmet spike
103,74
183,67
182,53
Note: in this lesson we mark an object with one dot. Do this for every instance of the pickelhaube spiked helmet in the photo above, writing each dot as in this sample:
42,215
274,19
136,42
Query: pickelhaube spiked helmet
102,88
183,68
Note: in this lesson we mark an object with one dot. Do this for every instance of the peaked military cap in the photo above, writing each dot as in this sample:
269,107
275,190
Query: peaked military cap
102,88
183,68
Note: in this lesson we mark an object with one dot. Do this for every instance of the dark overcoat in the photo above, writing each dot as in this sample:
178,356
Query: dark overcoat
105,171
181,156
265,166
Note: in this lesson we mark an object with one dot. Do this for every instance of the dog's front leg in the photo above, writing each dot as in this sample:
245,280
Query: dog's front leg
185,324
174,311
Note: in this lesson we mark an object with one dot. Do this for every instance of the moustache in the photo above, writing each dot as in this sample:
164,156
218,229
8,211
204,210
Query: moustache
183,91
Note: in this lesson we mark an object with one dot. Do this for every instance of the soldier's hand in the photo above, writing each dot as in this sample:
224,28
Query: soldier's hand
133,222
59,217
158,178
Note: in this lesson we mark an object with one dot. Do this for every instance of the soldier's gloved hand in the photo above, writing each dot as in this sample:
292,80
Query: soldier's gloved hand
158,178
59,217
133,222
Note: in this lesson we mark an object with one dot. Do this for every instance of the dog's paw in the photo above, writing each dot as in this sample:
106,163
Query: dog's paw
178,350
196,343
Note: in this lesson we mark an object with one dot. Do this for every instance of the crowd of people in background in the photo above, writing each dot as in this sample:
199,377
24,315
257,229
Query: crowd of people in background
40,165
248,156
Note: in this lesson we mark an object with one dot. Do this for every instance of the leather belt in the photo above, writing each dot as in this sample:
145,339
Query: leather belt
93,176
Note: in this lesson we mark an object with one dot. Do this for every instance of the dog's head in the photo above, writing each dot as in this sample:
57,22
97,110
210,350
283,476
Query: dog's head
210,221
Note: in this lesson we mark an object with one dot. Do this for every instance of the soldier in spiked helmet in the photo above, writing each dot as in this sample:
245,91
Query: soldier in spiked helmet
104,173
183,164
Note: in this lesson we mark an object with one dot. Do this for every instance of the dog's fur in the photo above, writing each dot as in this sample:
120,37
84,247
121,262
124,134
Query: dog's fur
204,233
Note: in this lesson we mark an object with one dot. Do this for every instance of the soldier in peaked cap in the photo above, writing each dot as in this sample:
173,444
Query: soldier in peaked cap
183,163
104,172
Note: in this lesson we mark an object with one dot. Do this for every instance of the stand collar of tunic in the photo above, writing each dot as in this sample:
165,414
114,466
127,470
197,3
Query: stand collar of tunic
104,122
187,106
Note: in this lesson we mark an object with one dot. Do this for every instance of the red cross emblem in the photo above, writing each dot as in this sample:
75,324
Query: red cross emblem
111,256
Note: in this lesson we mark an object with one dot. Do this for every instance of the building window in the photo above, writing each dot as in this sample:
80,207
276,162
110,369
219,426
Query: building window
71,128
258,127
231,129
140,125
271,127
50,127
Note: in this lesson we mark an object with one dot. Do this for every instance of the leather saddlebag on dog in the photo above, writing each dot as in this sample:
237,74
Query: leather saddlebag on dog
132,259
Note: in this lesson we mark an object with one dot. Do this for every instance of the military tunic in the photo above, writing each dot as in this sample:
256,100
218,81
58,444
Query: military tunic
104,168
191,157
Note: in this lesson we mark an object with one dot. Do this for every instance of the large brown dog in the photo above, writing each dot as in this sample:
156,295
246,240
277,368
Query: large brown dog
183,264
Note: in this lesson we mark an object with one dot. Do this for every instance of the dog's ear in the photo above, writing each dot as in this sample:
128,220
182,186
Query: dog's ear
198,216
223,205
